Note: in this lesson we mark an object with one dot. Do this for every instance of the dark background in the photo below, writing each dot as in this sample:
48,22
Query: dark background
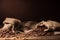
34,10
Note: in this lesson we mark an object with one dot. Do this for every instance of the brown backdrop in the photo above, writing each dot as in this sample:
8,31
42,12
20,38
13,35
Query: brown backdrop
35,10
